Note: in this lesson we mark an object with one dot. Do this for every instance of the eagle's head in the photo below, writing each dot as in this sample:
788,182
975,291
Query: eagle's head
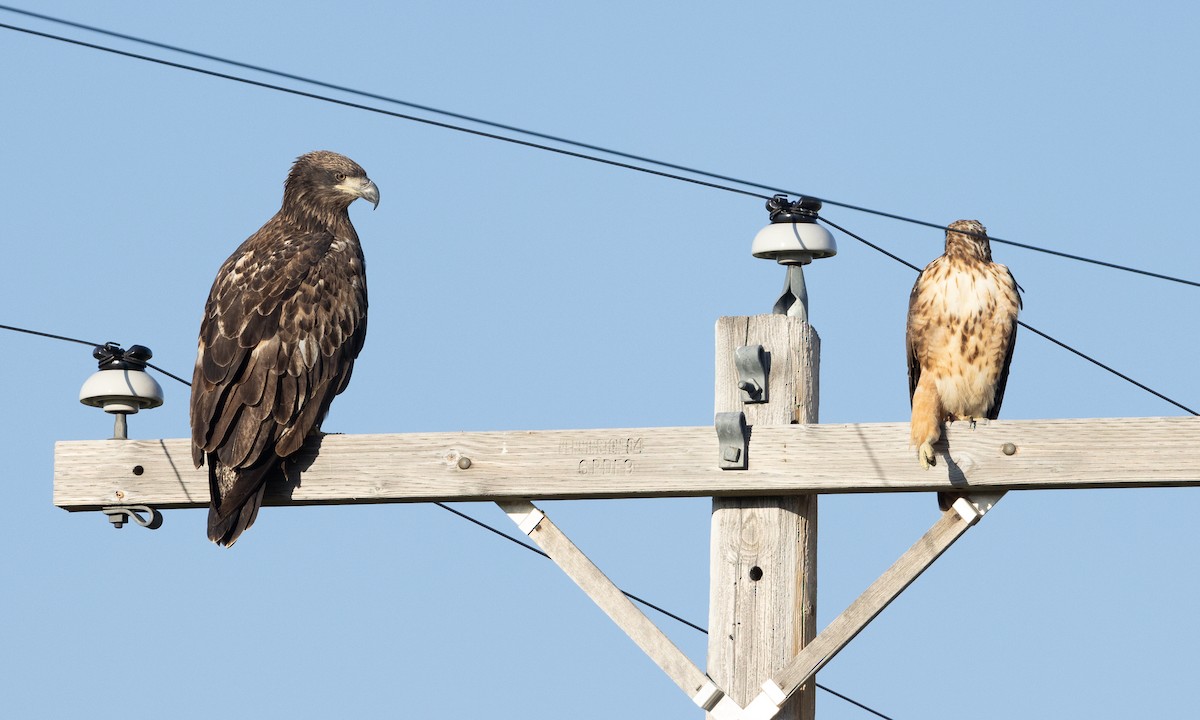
969,238
325,182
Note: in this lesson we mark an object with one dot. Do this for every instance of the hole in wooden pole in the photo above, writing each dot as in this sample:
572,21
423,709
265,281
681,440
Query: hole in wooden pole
756,573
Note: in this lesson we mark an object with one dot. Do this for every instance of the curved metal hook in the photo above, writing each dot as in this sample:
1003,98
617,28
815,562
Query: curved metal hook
119,515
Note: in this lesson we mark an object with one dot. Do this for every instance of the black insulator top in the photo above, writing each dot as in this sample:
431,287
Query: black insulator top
803,210
113,357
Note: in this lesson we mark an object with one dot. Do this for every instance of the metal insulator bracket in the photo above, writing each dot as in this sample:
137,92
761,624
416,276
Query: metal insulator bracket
119,515
793,301
734,440
751,364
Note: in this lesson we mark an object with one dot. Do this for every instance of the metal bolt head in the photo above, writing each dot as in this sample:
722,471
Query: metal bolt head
750,387
464,463
1008,449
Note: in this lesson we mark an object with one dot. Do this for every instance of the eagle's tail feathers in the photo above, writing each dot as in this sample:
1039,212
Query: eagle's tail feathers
946,500
229,517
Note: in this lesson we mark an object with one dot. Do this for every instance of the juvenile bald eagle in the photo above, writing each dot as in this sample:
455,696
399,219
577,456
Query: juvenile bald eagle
962,326
284,322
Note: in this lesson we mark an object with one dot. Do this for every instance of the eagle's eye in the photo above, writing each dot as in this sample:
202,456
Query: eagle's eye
339,176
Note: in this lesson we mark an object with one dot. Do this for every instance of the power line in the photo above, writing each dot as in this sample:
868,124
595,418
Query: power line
853,235
563,152
852,701
85,342
1030,328
170,375
537,134
466,517
48,335
868,243
993,238
531,548
378,111
671,615
1099,364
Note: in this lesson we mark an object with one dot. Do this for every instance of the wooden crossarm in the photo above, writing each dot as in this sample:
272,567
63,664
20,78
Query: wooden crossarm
655,462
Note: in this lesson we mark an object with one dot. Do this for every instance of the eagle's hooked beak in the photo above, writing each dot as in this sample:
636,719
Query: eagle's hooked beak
368,191
360,188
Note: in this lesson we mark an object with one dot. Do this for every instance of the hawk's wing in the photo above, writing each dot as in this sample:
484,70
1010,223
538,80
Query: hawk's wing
993,412
912,334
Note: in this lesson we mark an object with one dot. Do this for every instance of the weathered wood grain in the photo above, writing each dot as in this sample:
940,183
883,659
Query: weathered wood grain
763,561
657,462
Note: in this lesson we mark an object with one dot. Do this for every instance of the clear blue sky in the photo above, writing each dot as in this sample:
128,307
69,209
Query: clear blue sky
516,289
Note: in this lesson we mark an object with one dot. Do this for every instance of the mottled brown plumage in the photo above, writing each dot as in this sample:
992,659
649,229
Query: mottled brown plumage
284,322
962,326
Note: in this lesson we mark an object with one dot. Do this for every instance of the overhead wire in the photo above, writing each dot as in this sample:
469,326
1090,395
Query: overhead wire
27,331
476,521
671,615
444,506
531,548
515,141
566,141
376,110
48,335
467,517
556,138
1029,327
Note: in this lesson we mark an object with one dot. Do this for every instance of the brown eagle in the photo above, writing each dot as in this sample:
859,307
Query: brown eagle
962,326
284,322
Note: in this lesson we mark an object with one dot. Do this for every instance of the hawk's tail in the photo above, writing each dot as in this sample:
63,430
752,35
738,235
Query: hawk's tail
927,414
926,429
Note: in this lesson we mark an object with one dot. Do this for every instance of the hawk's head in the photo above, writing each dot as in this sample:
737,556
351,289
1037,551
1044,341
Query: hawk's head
324,182
968,238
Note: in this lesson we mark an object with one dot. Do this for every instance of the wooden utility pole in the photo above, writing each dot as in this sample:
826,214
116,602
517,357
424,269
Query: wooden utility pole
757,669
764,467
763,582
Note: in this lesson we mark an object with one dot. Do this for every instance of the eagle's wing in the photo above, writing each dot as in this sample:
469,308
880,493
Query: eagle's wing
277,342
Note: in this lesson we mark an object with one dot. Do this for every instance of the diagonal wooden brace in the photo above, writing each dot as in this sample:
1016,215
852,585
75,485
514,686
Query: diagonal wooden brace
965,512
682,671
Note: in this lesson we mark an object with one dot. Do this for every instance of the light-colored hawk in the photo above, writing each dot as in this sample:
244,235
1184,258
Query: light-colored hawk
962,325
